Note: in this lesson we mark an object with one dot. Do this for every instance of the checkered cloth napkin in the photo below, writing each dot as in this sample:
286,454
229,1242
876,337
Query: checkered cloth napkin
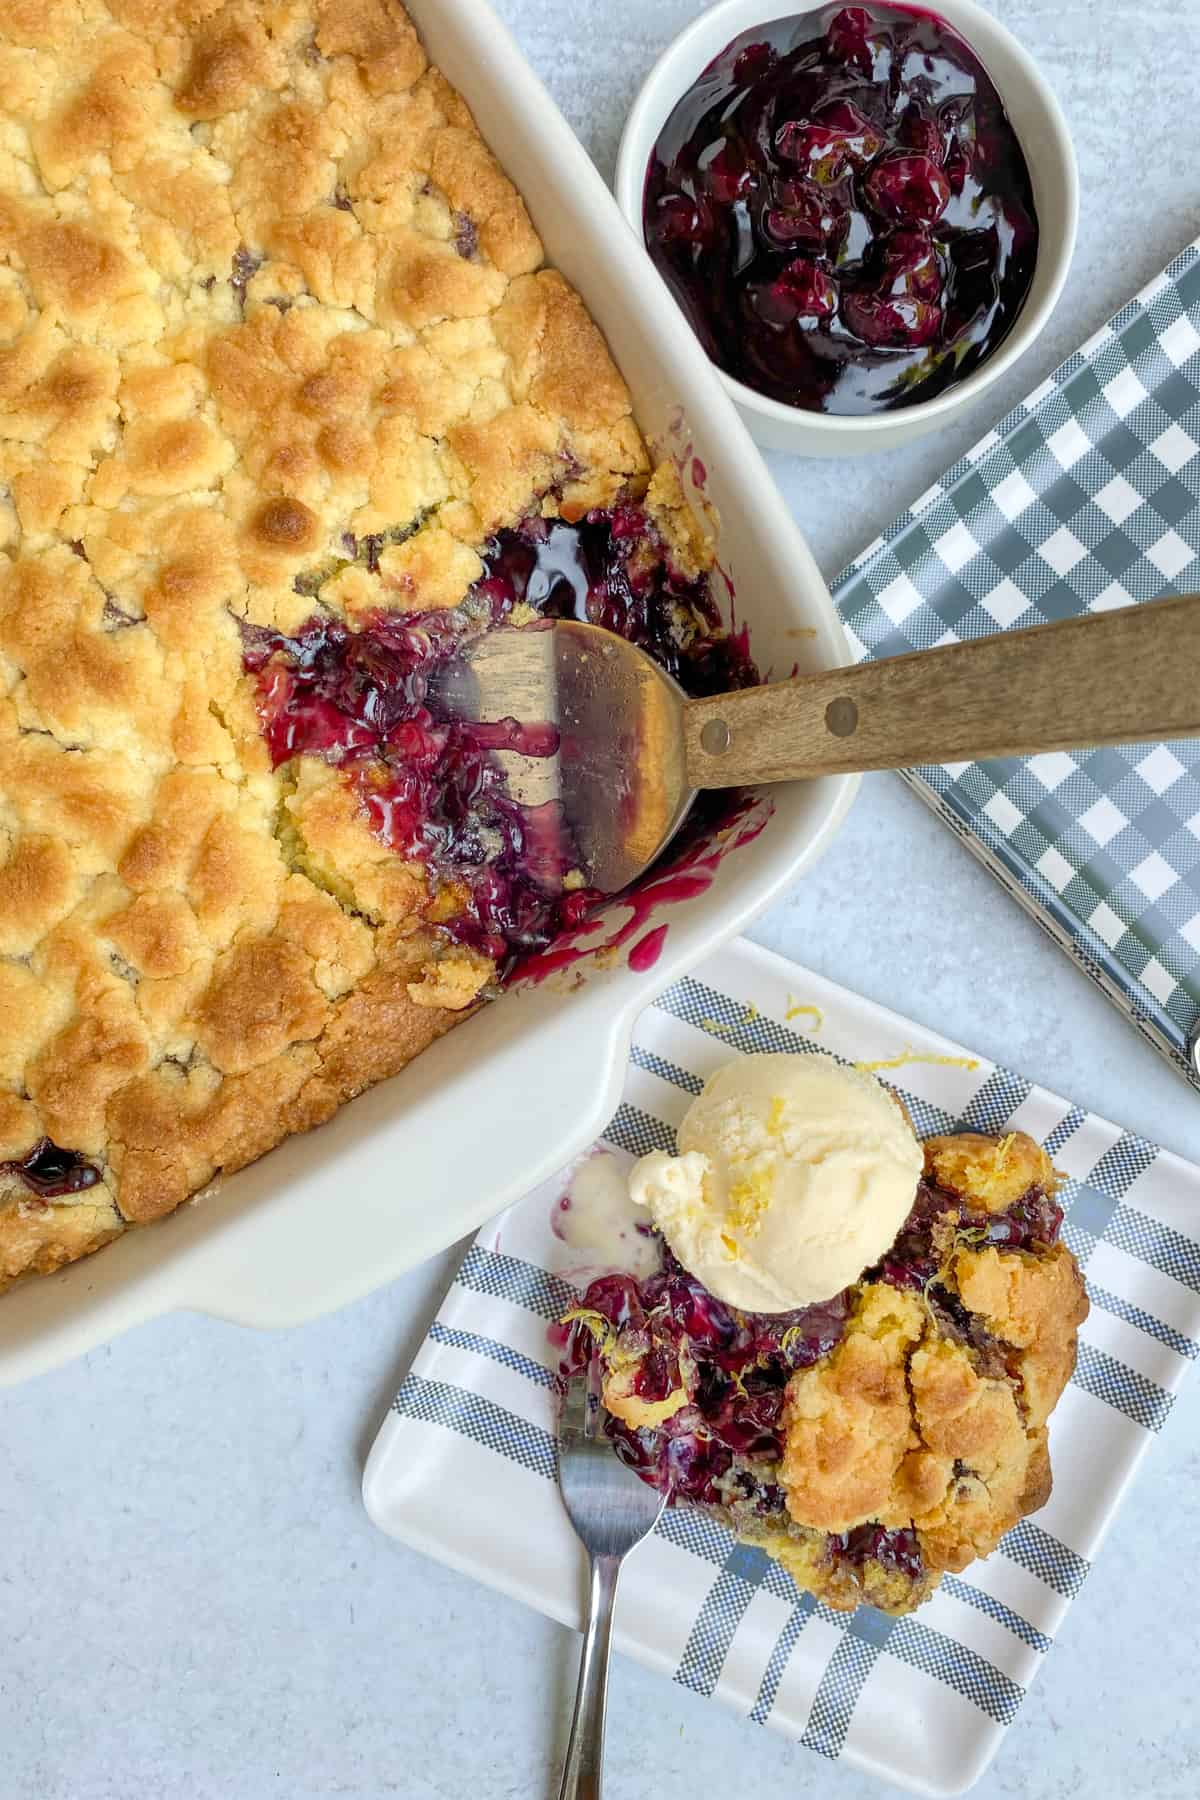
465,1465
1086,497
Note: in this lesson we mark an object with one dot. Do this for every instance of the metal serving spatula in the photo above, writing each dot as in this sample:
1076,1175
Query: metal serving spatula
633,750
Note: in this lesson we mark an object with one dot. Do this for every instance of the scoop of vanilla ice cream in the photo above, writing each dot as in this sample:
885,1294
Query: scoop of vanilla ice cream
794,1175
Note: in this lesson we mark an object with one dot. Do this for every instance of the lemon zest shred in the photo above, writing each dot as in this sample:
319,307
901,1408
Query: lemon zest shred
793,1331
927,1302
749,1017
976,1235
797,1009
909,1055
1004,1149
749,1200
601,1328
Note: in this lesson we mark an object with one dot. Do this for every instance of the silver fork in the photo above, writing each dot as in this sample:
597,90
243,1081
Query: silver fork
612,1510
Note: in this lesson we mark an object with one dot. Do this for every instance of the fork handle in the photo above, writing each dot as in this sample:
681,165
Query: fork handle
1107,678
582,1777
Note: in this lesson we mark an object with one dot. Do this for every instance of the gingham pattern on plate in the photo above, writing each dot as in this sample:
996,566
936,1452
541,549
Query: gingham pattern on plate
464,1467
1085,497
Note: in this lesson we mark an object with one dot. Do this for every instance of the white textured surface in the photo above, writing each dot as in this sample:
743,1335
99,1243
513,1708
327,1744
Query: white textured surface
195,1604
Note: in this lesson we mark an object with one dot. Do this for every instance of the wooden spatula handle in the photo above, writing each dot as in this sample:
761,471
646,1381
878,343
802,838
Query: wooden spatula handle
1108,678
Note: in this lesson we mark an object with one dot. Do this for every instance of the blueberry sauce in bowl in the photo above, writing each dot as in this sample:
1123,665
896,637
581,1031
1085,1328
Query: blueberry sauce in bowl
842,209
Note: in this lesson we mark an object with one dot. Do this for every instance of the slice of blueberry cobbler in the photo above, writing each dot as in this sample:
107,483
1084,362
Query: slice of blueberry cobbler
894,1432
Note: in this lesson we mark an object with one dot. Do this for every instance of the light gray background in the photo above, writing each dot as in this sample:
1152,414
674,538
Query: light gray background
194,1603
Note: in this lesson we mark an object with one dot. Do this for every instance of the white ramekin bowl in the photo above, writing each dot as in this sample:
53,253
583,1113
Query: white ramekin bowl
1042,130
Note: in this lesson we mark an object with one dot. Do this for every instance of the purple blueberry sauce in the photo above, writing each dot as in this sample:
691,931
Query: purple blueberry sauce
744,1362
913,1260
51,1172
648,949
842,209
430,785
715,826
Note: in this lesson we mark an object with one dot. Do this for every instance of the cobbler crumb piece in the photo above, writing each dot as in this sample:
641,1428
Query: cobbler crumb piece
454,980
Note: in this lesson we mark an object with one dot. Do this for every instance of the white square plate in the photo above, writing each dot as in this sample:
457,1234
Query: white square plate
464,1465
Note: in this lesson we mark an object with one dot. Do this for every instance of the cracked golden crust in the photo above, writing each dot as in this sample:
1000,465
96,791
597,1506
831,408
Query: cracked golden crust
994,1171
906,1424
262,285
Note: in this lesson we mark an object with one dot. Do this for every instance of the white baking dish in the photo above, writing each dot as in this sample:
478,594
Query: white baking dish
497,1106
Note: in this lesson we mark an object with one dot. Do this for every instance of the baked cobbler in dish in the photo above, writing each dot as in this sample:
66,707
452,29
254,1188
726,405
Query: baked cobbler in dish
289,409
880,1438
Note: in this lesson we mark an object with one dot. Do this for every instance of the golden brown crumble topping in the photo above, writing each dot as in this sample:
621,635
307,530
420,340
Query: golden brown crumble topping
262,287
914,1425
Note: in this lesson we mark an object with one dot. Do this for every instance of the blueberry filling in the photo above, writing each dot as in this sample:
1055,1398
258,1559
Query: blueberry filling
843,211
51,1171
466,236
721,1447
371,548
897,1551
956,1322
431,786
114,618
939,1216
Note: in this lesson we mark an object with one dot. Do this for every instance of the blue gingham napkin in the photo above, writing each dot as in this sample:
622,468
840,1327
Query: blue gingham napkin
1086,497
464,1467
